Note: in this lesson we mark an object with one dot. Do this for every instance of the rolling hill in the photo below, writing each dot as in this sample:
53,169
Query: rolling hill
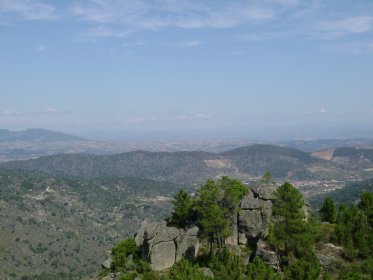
184,168
61,227
36,135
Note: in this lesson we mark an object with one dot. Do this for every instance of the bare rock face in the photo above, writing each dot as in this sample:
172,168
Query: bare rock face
162,246
264,251
264,192
187,245
162,255
256,212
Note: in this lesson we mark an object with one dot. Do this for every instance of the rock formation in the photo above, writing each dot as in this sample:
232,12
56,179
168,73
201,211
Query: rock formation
162,246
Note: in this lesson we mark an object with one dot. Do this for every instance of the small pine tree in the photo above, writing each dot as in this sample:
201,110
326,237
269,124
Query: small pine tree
328,211
183,209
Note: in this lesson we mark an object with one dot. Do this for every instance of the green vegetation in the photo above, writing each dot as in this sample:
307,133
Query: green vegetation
182,216
210,209
62,226
328,211
298,239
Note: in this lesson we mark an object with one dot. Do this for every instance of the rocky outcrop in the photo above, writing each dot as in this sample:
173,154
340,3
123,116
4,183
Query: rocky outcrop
162,246
267,254
252,221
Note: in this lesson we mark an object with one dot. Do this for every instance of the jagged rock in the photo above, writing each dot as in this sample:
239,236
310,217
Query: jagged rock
165,233
251,223
162,255
264,251
139,236
250,202
162,245
265,192
233,238
107,263
207,272
187,245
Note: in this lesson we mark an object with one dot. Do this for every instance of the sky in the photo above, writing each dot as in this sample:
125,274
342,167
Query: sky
167,69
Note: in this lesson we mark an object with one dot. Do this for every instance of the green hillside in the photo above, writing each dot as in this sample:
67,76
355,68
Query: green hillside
58,225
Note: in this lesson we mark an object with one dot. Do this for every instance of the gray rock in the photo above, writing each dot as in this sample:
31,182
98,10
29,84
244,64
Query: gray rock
251,202
264,251
207,272
242,240
152,228
187,246
233,238
192,231
107,263
139,236
162,255
165,233
155,233
251,223
328,256
265,192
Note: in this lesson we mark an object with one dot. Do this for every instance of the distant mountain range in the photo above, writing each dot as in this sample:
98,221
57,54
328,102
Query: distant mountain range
188,168
36,135
33,143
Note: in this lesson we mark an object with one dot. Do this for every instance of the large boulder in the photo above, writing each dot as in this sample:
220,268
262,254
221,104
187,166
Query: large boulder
254,223
162,255
265,192
256,212
187,245
162,245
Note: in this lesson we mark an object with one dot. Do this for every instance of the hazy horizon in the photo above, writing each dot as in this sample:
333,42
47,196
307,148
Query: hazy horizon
163,70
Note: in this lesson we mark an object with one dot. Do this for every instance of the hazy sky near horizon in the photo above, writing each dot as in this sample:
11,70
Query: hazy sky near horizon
115,67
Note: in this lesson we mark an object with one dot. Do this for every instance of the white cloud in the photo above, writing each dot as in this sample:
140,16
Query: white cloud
188,43
192,117
105,32
159,14
50,110
28,10
342,27
323,111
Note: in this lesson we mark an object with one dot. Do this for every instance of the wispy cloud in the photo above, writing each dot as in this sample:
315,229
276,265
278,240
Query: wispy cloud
346,26
40,48
28,10
191,117
45,112
158,14
105,32
188,43
356,47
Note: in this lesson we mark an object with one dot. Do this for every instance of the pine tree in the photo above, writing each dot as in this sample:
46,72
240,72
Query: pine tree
183,210
328,211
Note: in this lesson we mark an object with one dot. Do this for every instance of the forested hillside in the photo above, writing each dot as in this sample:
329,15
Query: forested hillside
192,168
54,225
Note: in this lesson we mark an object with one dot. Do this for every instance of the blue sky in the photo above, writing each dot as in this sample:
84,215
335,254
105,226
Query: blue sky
260,69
